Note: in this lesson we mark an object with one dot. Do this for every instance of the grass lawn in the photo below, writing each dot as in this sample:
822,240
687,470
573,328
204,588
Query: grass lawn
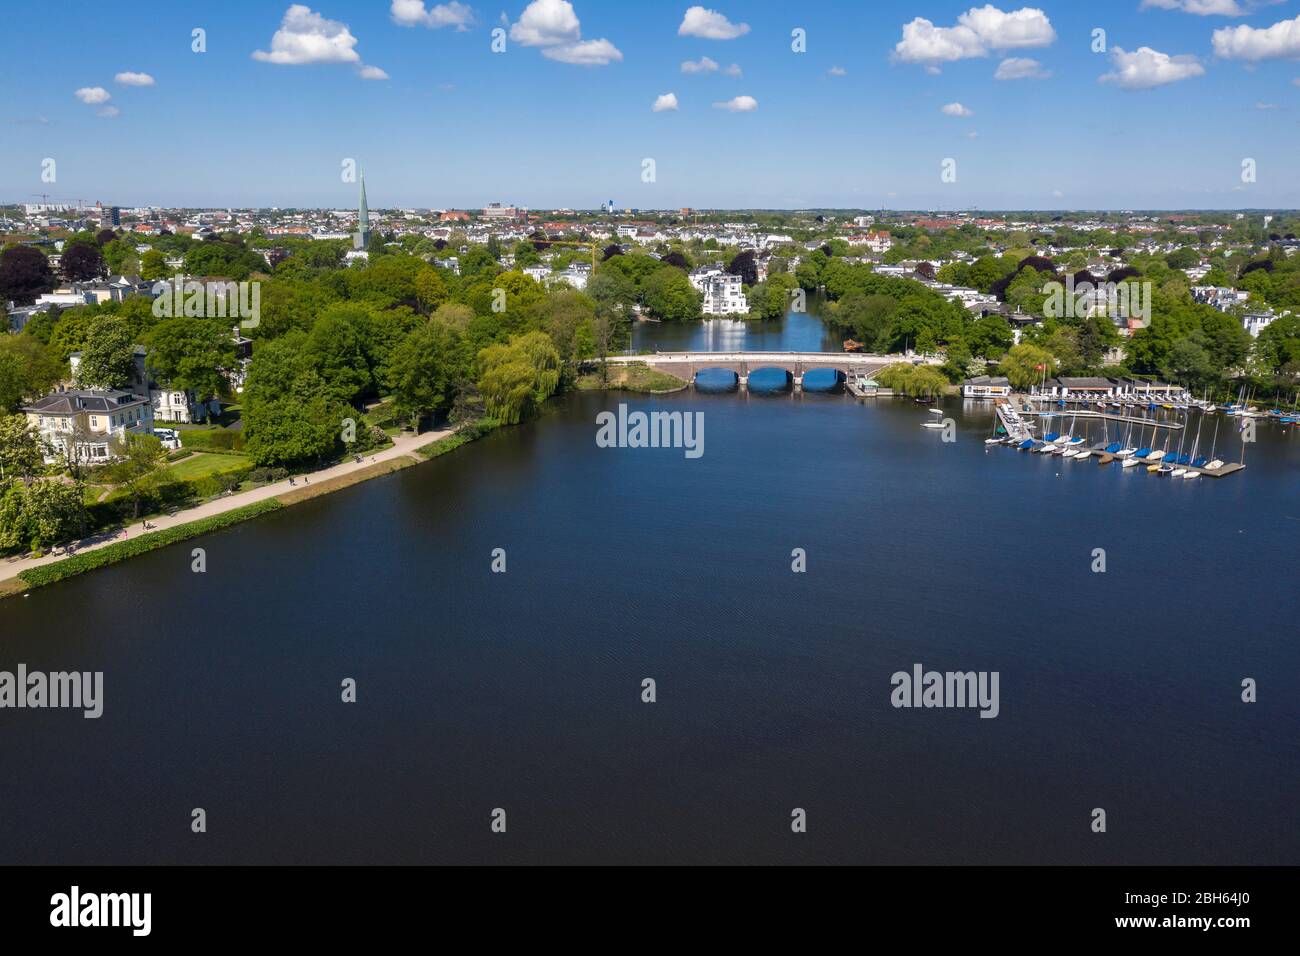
199,464
634,377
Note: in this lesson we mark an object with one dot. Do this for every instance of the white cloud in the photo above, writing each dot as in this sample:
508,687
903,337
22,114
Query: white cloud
710,25
703,65
307,37
553,26
1282,39
547,23
838,71
134,79
1202,8
93,95
372,73
978,31
665,102
1145,68
956,109
584,53
1266,106
733,70
972,135
1057,194
411,13
738,104
1020,68
108,112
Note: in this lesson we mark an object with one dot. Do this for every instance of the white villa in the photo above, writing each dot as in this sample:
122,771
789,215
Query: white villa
724,294
82,424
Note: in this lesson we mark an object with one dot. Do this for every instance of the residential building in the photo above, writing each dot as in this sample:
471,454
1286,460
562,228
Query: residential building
83,424
724,294
1256,322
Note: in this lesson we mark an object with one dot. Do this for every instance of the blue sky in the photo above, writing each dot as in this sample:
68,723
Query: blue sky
266,115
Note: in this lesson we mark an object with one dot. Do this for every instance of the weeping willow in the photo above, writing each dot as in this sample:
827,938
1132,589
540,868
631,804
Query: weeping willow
518,376
912,380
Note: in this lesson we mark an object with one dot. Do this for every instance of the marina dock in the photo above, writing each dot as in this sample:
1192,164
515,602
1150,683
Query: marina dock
1020,431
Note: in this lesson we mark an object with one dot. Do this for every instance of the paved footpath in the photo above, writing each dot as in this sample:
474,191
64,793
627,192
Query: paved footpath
403,446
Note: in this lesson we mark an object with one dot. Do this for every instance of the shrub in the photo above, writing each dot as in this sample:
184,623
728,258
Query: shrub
213,439
111,554
267,475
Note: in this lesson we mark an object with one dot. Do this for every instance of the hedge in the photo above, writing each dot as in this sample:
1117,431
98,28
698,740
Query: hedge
213,439
121,550
462,436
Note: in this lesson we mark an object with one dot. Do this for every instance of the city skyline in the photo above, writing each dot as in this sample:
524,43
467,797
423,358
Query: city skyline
717,97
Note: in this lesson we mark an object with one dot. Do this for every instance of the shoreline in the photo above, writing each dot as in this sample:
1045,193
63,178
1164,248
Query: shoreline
22,574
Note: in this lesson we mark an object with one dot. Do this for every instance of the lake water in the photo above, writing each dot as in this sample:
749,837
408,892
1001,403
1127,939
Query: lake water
522,690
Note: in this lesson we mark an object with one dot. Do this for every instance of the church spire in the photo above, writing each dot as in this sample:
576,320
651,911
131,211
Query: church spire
362,237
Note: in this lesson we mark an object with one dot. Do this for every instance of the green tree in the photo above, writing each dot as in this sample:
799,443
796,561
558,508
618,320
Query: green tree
424,370
140,461
1025,365
20,448
108,360
39,515
191,354
153,266
28,369
430,289
518,376
669,296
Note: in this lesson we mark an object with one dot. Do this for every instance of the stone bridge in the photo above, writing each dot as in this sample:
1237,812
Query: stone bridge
684,365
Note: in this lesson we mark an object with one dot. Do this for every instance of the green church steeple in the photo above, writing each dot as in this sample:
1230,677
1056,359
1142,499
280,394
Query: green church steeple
362,236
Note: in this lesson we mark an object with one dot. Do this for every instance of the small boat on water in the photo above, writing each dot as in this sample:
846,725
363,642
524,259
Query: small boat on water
936,411
1153,467
1086,453
1129,462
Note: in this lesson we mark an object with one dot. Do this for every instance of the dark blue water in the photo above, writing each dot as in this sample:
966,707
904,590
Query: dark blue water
797,332
522,690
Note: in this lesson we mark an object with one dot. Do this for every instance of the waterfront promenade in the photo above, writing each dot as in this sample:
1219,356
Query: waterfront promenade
404,446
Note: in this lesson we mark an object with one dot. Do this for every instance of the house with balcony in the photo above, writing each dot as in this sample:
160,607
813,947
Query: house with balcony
83,424
724,293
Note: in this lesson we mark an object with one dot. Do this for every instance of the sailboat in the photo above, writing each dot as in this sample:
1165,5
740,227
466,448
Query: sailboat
1214,464
1081,452
1192,459
1168,468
